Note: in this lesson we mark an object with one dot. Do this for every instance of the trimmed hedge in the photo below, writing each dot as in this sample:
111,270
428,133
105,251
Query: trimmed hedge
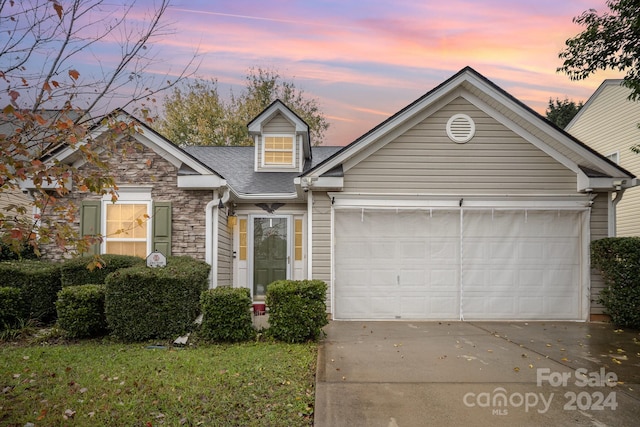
76,271
144,303
12,307
39,282
226,315
81,311
297,311
618,259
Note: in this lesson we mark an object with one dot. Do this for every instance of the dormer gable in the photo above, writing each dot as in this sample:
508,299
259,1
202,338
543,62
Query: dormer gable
281,140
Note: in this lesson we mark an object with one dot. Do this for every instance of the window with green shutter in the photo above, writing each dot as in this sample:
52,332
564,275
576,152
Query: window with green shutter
130,227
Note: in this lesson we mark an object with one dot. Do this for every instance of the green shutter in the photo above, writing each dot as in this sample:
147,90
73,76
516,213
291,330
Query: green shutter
162,227
90,222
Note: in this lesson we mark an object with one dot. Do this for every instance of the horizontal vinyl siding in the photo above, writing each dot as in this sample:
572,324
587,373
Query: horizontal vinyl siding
278,124
599,230
321,246
610,125
627,221
225,258
14,197
495,161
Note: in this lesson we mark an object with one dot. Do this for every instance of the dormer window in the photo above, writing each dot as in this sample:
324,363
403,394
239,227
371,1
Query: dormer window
281,139
278,150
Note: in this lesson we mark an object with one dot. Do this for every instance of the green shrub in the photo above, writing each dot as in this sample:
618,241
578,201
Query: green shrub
81,311
77,271
8,253
39,282
226,315
618,260
297,311
142,303
12,308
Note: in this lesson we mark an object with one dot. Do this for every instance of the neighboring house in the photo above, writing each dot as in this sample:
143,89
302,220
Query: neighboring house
466,204
608,122
13,199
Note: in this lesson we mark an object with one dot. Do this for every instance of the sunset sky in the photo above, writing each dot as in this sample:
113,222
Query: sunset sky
365,60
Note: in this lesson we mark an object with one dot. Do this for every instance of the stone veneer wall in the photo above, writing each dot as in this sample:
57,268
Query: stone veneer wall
144,167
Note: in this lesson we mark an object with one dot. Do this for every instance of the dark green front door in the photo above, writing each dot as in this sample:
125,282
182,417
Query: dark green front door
269,253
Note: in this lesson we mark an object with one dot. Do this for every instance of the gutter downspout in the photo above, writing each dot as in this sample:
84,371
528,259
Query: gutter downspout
310,235
613,212
212,223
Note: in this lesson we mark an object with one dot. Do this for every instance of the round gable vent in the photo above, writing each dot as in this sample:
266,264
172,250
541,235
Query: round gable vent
461,128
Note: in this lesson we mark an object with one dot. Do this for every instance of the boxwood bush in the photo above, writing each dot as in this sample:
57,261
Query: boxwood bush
226,315
12,307
81,311
297,311
76,271
39,282
618,259
143,303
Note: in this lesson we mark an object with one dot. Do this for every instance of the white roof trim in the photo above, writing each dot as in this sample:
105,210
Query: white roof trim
255,126
150,139
356,151
604,85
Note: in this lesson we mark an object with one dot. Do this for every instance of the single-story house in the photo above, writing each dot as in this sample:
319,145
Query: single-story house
608,122
465,204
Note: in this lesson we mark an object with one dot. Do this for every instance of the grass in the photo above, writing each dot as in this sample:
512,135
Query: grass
105,383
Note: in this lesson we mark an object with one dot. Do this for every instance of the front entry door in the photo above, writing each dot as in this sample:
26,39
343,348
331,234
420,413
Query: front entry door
270,252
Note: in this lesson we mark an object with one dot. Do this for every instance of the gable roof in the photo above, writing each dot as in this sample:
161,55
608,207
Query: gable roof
603,86
195,174
487,96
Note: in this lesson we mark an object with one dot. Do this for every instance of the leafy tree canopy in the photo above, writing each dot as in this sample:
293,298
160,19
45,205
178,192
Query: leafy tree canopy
561,112
48,102
196,114
609,41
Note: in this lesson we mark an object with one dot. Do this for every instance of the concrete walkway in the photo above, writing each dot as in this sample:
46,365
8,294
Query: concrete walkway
404,374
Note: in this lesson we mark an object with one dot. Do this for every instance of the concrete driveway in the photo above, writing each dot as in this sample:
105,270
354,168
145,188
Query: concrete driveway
477,373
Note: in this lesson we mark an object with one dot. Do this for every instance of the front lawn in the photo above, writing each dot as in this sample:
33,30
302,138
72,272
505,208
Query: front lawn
95,383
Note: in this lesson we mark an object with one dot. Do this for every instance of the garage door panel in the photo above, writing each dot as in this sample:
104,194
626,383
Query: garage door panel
383,307
407,264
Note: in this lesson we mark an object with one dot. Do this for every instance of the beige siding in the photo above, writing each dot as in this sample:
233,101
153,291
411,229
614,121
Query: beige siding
609,125
599,230
225,258
322,241
627,221
278,124
495,161
10,197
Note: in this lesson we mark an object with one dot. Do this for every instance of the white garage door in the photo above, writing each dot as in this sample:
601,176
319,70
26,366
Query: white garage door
444,264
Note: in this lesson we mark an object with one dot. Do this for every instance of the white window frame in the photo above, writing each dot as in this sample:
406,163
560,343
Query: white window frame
264,150
127,196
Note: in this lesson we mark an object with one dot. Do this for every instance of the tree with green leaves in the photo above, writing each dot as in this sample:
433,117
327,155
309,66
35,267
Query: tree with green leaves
609,41
48,103
196,114
561,112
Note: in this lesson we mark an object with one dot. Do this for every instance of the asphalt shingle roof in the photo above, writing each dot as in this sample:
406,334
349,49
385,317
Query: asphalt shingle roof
236,165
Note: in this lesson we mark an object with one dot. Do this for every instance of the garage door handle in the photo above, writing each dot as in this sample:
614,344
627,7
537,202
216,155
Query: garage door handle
398,280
